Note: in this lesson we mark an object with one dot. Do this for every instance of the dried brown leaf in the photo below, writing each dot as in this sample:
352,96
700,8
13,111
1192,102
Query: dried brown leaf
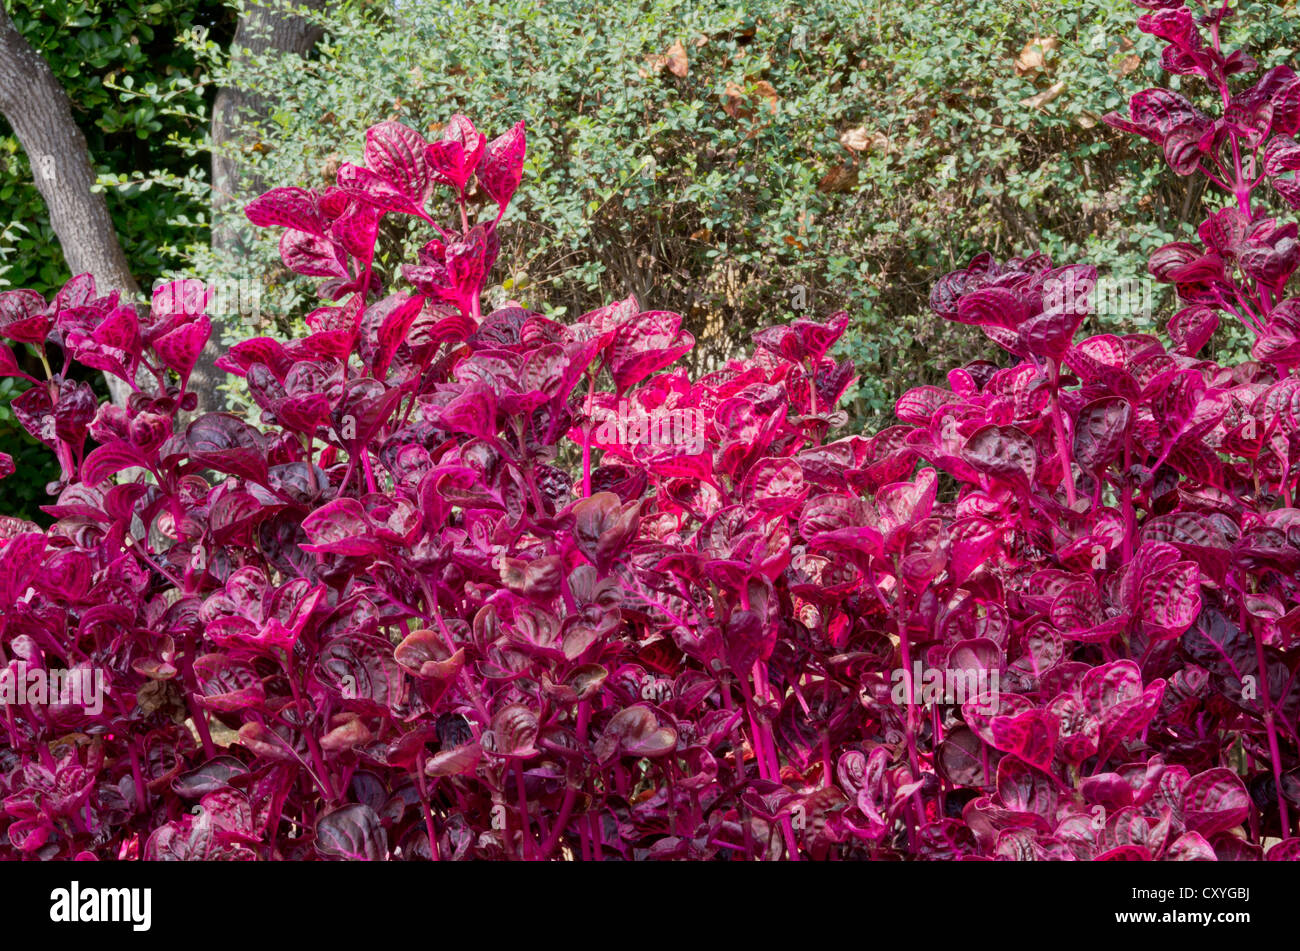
1034,54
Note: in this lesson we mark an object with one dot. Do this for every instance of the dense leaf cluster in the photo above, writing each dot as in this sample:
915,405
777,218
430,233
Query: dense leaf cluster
495,586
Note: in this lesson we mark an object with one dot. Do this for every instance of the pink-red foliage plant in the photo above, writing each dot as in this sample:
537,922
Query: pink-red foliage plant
460,595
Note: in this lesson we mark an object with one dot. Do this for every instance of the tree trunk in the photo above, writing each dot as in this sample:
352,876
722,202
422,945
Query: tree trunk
261,29
37,108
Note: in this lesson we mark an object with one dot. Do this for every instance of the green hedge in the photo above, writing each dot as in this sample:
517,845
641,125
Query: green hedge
712,177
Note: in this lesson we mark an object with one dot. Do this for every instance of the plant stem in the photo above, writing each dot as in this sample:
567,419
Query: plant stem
370,475
1126,500
909,723
525,825
313,747
1058,425
586,437
1270,726
191,692
422,784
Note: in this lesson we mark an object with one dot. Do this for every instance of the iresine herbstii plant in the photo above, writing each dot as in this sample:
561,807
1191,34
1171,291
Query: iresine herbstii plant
396,621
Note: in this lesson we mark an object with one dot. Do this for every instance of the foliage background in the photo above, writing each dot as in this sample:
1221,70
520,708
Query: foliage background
744,165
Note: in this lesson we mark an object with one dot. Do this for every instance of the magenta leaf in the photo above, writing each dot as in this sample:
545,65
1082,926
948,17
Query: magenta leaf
180,349
352,832
397,153
1004,452
108,460
1214,801
294,208
1100,431
646,343
23,318
341,527
312,256
1031,736
503,165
